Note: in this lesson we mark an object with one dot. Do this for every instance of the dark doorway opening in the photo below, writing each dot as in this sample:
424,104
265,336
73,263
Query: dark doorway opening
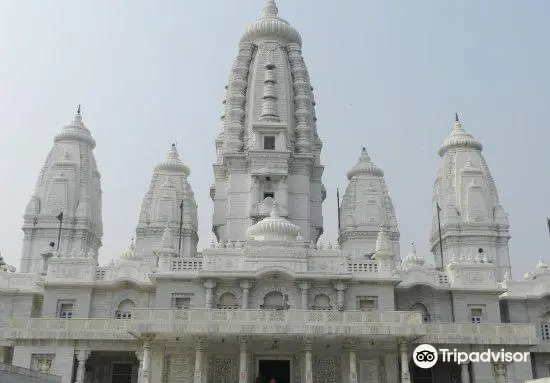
278,369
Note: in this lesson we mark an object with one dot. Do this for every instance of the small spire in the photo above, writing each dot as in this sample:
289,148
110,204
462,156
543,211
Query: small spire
270,8
456,118
78,115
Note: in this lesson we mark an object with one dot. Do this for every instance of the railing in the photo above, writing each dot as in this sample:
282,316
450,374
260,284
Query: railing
363,267
74,328
190,264
276,322
483,333
30,375
290,322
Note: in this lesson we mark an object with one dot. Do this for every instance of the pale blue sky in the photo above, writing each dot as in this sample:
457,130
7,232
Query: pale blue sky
387,74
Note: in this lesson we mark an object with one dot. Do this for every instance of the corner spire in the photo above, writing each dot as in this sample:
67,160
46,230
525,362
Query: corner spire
270,9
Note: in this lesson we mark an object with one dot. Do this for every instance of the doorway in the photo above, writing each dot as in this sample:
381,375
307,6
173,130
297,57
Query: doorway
278,369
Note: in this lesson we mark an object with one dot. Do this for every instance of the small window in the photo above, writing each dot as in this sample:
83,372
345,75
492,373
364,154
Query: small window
476,314
367,303
65,310
545,331
269,143
125,309
269,194
181,303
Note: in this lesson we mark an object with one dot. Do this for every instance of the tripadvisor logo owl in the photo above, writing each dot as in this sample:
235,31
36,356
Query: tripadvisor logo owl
425,356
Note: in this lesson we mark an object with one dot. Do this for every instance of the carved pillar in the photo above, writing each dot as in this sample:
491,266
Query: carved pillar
305,290
351,347
209,285
308,346
464,373
255,191
246,286
340,294
145,373
283,194
199,354
243,360
403,351
500,372
81,357
139,356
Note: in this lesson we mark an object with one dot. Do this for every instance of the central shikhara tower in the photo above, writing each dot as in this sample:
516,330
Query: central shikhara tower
268,149
268,296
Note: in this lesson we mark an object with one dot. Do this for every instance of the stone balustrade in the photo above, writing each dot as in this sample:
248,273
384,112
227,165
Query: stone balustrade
278,322
74,328
484,333
19,281
266,322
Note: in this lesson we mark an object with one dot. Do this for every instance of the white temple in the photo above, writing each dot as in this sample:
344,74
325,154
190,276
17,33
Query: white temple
268,299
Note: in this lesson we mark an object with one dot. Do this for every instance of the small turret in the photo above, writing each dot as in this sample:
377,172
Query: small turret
467,206
67,196
169,198
366,206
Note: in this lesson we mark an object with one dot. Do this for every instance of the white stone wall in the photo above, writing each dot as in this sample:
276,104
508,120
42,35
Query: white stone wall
62,364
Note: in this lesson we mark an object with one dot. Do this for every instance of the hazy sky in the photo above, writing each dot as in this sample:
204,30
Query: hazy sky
387,74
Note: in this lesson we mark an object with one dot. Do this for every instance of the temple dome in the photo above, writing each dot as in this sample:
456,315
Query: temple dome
75,131
273,228
173,162
364,166
413,258
459,138
271,27
130,253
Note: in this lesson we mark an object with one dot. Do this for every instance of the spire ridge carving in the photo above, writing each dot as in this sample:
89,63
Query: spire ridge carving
269,104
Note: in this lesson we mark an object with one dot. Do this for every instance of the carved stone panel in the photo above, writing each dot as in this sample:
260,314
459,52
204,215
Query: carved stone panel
369,371
225,370
325,370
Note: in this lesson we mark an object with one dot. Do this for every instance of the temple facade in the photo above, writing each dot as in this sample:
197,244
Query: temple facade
269,298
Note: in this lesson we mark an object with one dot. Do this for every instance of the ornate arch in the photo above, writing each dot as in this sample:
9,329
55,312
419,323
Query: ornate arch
269,285
120,297
236,291
328,291
421,306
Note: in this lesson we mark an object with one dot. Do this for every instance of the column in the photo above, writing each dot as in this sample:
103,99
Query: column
340,296
246,286
351,347
465,373
146,364
210,284
139,356
403,350
283,194
199,355
81,356
308,346
304,286
243,360
500,372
